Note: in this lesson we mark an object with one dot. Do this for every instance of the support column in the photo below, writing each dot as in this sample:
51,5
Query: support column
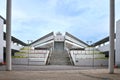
1,39
8,36
111,37
117,52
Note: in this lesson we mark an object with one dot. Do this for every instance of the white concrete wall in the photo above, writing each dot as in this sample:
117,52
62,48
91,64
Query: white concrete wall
118,43
59,38
88,58
1,39
39,57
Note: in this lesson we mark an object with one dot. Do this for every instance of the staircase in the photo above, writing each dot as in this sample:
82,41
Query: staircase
59,58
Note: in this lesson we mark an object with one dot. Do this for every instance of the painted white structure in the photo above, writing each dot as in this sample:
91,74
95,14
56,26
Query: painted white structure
69,40
59,37
84,56
88,58
14,45
1,39
117,43
75,42
104,47
35,57
59,42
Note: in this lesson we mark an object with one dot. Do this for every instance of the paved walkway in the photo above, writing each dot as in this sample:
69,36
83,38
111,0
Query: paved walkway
59,73
48,68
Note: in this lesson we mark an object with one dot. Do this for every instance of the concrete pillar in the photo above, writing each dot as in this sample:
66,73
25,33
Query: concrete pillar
8,36
1,39
117,55
111,38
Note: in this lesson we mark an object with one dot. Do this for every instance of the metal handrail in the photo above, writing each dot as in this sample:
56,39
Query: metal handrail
71,60
48,58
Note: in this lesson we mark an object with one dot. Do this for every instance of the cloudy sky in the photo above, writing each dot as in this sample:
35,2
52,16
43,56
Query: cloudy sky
88,20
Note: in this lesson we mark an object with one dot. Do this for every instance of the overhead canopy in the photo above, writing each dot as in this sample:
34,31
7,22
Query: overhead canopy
15,40
42,38
50,38
75,40
3,19
104,40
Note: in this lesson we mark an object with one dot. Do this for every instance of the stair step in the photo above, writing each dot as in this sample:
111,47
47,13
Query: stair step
60,58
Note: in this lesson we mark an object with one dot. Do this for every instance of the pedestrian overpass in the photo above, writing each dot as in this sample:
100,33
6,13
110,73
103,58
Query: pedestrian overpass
16,44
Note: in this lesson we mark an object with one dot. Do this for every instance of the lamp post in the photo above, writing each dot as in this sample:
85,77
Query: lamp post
111,36
89,42
8,36
93,54
29,41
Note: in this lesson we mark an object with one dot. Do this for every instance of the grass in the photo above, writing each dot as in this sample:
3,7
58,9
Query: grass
21,53
101,58
24,48
19,57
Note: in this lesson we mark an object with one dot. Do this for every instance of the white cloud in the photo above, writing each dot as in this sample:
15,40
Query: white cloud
117,9
84,18
3,8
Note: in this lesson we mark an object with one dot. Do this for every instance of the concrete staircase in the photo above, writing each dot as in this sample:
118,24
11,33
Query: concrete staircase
60,58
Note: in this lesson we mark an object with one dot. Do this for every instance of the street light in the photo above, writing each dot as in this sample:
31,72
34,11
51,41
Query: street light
29,41
111,36
89,42
8,36
93,54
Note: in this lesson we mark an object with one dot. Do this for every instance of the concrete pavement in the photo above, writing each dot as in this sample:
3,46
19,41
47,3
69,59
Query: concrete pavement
68,73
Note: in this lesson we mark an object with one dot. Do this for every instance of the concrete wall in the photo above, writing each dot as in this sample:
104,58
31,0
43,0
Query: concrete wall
1,39
88,58
59,46
28,61
118,43
59,38
39,57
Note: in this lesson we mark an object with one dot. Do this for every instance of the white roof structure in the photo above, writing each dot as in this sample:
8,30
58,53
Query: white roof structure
69,40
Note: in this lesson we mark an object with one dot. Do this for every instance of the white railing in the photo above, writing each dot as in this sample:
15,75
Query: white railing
49,55
71,58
